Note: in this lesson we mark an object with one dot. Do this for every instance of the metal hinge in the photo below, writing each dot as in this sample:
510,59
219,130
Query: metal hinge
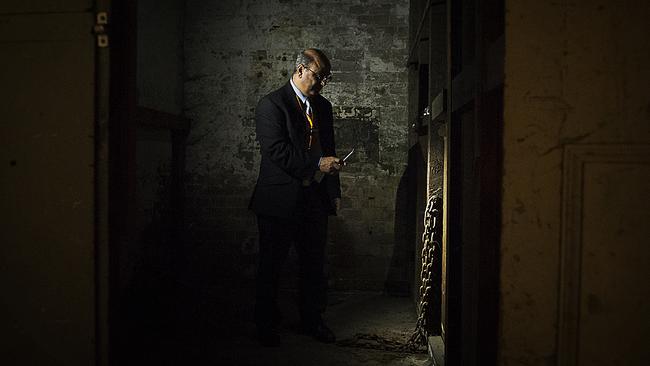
100,29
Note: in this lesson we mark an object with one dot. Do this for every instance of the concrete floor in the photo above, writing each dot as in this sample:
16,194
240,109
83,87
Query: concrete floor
212,325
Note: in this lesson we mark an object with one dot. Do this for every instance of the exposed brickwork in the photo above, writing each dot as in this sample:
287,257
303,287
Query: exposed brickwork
237,51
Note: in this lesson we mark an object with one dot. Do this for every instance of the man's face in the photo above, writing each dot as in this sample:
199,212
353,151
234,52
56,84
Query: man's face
312,76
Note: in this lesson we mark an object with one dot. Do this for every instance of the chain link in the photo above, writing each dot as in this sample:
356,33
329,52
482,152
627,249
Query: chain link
417,342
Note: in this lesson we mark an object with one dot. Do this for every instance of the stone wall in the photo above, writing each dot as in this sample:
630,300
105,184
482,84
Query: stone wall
236,52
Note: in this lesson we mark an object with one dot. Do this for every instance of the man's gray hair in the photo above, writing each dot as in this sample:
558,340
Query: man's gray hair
312,56
303,59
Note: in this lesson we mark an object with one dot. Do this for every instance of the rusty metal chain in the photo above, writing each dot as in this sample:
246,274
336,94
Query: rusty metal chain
417,342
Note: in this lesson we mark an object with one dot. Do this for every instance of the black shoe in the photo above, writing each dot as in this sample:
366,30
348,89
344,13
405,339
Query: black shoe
268,337
320,333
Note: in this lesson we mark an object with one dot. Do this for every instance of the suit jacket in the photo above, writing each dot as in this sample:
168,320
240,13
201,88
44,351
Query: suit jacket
281,129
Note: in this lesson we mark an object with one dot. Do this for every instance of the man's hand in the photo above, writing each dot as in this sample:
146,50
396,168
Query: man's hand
337,204
330,165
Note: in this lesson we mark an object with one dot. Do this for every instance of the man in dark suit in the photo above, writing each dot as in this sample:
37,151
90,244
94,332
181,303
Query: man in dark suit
297,189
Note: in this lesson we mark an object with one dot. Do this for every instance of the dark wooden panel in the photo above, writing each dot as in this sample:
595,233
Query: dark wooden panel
45,6
47,166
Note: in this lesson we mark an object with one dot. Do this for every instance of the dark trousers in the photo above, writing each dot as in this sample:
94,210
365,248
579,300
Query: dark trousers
307,231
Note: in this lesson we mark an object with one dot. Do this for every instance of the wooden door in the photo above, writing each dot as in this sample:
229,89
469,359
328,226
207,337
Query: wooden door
472,187
574,242
50,312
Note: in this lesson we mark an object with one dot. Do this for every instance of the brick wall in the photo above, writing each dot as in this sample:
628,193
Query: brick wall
236,52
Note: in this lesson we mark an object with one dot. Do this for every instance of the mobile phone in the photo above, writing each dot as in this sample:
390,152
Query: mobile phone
344,160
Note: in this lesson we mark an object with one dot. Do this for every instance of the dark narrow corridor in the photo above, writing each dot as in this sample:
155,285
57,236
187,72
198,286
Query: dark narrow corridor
134,134
201,283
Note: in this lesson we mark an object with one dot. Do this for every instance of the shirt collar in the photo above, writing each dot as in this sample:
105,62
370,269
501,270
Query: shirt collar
298,92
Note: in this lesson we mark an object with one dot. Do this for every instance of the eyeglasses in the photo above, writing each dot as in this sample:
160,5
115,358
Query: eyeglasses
323,80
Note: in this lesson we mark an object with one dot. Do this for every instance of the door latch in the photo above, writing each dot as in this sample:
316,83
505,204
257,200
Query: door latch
100,30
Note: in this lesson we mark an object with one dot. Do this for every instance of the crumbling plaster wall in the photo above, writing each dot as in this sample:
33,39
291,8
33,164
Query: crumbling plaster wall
236,52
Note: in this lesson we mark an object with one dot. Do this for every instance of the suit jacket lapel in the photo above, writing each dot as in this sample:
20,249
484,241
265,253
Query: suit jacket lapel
295,113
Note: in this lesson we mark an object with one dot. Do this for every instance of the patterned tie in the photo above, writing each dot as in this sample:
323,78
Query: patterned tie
313,130
308,112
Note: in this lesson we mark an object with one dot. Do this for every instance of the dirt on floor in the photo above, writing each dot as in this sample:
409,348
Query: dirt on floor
212,325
